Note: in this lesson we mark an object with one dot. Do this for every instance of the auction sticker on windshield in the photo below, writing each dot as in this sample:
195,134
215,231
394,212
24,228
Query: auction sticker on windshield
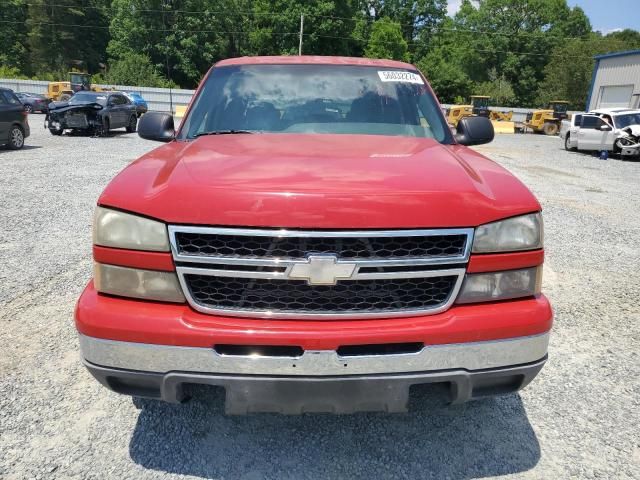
399,76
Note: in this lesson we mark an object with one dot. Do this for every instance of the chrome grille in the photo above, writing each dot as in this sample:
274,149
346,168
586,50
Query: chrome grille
207,244
320,274
384,295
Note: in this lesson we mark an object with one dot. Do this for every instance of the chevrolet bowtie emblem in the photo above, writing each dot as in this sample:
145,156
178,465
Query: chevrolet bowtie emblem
322,270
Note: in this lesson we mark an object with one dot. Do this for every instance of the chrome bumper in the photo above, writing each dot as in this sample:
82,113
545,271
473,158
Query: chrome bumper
462,356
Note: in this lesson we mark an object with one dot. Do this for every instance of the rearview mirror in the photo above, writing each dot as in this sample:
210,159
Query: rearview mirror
156,126
474,131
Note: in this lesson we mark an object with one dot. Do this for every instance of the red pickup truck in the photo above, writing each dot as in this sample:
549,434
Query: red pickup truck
315,237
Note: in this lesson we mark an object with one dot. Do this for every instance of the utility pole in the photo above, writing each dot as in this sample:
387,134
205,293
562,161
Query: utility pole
167,4
301,33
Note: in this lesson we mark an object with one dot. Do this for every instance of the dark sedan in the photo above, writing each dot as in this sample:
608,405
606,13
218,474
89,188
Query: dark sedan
33,102
14,127
95,113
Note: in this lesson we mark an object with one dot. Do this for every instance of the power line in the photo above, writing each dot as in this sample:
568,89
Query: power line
296,16
240,32
161,30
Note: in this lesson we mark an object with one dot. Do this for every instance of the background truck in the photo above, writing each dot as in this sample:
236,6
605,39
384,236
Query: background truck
616,130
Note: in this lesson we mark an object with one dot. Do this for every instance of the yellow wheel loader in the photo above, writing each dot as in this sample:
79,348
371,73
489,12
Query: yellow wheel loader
479,106
63,91
548,121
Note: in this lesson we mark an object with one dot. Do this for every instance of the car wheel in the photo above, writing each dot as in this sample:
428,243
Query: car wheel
16,138
28,108
133,124
56,131
567,144
105,126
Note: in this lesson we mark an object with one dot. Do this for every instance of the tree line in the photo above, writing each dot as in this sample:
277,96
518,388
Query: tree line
520,52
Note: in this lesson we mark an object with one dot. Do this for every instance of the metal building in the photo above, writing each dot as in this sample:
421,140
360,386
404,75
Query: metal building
615,81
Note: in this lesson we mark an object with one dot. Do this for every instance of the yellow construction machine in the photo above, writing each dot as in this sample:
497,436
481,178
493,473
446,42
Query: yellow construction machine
479,106
548,121
63,91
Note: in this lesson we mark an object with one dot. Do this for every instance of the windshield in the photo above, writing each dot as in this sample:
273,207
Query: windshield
480,102
335,99
84,98
560,107
623,121
79,79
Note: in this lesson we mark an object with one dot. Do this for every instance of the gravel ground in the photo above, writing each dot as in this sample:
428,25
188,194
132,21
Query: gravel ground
579,419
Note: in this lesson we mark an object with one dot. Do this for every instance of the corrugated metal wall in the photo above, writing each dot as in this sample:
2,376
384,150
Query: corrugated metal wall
157,98
617,71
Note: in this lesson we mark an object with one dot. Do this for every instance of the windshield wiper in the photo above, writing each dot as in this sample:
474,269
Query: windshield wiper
222,132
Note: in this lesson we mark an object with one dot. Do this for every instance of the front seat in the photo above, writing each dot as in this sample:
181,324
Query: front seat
262,117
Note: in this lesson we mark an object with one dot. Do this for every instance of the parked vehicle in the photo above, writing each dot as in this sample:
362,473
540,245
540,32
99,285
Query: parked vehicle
33,102
479,106
614,130
14,125
138,101
78,82
548,120
94,113
314,237
569,130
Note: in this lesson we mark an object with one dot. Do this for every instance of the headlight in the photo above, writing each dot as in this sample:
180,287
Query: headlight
136,283
112,228
487,287
514,234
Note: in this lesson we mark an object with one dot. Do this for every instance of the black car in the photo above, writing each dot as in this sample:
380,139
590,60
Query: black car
14,127
92,112
33,102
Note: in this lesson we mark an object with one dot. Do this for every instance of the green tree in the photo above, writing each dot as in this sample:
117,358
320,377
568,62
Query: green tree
61,36
629,38
328,26
386,41
499,89
447,78
135,69
417,18
181,39
515,37
568,74
13,53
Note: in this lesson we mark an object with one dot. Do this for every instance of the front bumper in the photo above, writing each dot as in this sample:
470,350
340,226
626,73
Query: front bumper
153,349
130,320
316,381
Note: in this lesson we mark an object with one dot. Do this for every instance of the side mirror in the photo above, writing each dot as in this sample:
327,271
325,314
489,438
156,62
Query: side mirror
474,131
605,128
156,126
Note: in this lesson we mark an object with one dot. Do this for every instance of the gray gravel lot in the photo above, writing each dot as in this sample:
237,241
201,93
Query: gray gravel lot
579,419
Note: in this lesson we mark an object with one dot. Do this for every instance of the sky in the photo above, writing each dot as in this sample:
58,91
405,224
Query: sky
605,15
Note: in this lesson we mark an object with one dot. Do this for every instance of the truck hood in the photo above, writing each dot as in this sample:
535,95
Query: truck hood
318,181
